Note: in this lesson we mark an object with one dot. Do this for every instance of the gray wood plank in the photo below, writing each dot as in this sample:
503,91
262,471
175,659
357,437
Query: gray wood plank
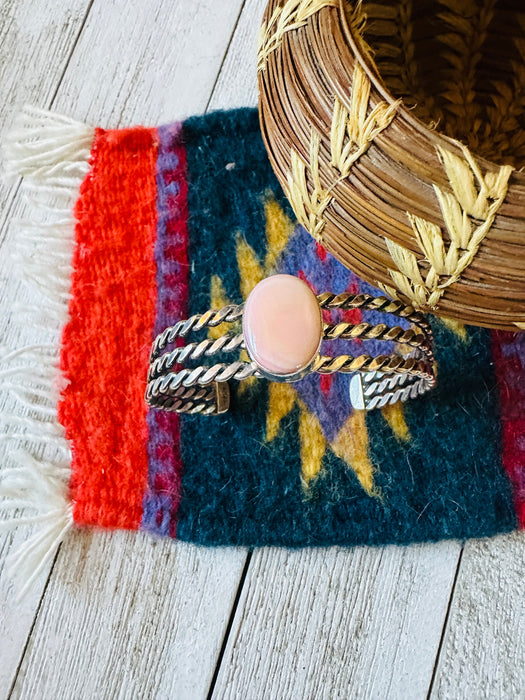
126,616
35,42
361,623
483,651
151,63
237,83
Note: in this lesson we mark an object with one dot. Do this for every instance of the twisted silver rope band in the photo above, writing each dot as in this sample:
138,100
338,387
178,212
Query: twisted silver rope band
204,389
194,351
210,319
346,301
376,390
366,331
186,400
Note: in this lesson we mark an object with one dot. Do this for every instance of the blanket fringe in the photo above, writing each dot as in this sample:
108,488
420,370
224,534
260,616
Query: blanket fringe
47,148
52,153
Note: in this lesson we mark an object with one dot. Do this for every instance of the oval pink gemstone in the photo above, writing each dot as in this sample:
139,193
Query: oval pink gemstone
282,325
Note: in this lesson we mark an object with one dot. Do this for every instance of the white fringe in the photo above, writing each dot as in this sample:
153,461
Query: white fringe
52,153
49,149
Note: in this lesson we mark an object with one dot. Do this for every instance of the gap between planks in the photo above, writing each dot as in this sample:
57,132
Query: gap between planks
445,623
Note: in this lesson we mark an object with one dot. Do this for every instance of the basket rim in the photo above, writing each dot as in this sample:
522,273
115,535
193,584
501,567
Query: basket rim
433,135
420,223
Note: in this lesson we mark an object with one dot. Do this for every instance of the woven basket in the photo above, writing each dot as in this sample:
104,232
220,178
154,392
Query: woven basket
397,130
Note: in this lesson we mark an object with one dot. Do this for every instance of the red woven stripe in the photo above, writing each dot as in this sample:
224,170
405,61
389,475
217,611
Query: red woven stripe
509,360
106,343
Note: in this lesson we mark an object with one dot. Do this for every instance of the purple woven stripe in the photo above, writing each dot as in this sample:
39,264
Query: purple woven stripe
164,462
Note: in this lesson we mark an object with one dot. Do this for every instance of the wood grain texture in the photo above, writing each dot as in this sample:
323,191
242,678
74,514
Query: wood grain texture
147,63
483,652
237,83
362,623
16,617
122,613
35,42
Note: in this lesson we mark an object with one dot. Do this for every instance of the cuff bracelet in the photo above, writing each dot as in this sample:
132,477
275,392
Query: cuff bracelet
283,333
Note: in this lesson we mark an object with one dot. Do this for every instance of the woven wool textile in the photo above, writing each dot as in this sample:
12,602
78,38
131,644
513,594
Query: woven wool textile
171,221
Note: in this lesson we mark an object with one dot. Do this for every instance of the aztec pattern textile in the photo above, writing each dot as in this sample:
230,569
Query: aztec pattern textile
168,222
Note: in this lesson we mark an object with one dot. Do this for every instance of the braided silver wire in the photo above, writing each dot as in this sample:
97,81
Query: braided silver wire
347,301
366,331
377,389
164,385
385,378
194,351
188,400
210,319
169,384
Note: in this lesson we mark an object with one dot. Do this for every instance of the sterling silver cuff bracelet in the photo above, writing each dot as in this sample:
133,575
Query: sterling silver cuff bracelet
282,333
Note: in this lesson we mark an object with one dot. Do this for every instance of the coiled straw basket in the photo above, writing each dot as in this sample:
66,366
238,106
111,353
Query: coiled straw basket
397,130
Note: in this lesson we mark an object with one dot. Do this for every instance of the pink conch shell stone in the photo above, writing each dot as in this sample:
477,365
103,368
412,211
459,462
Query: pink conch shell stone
282,325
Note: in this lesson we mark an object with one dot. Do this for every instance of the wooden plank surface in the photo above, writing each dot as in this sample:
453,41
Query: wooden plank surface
361,623
483,652
145,62
36,40
125,616
237,83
